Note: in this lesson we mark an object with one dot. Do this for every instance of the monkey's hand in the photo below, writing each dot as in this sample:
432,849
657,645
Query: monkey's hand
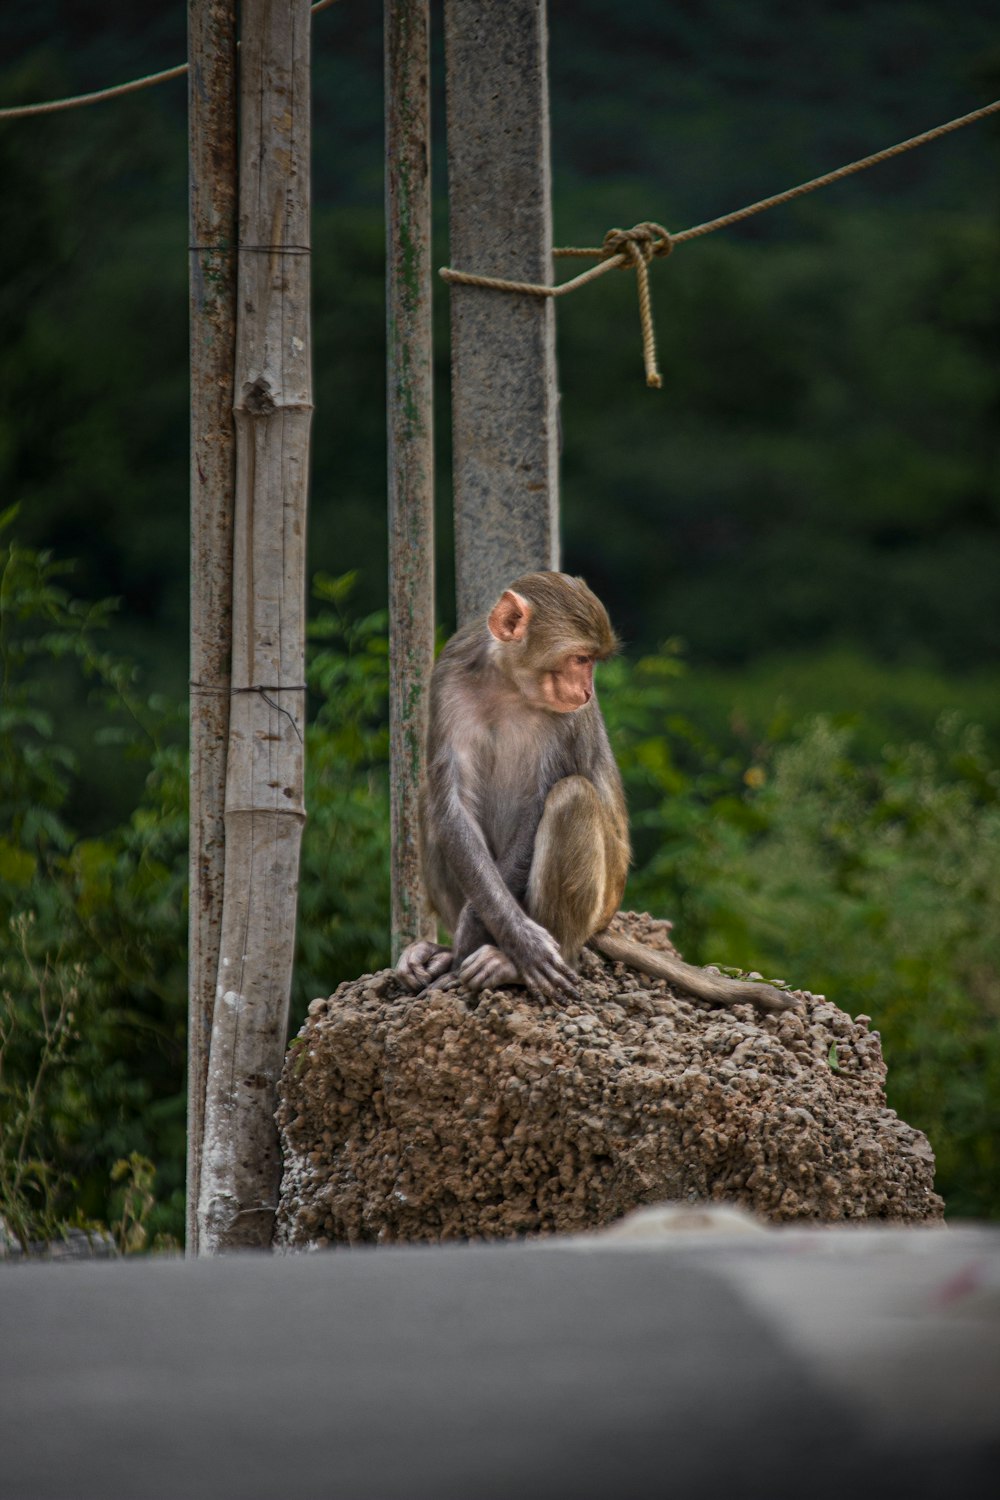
537,957
422,962
487,969
538,965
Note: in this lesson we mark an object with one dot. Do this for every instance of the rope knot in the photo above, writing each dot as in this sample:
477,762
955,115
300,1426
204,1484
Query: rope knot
636,247
642,242
624,250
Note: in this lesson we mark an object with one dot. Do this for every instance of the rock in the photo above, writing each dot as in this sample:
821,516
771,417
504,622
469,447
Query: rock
72,1244
665,1221
431,1119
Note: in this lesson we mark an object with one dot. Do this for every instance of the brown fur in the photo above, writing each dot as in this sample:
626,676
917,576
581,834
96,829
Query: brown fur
525,844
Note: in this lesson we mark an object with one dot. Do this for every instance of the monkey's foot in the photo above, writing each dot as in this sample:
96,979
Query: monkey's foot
489,968
422,962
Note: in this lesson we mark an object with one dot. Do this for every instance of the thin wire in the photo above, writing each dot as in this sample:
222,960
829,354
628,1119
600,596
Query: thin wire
53,106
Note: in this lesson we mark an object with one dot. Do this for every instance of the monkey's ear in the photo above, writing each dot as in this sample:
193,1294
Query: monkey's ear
508,619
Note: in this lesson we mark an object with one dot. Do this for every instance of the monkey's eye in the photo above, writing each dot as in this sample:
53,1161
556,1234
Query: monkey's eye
581,661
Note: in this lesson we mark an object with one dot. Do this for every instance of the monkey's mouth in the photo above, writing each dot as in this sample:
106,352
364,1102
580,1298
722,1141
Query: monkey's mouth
563,698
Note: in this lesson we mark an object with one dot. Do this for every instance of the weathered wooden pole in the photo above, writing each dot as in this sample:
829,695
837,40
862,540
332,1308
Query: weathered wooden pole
264,786
410,440
212,226
504,393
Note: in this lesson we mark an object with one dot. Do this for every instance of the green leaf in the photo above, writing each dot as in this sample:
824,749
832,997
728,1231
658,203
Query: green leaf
17,866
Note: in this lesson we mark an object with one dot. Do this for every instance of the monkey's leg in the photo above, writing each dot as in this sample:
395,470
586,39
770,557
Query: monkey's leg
568,885
421,962
571,869
566,896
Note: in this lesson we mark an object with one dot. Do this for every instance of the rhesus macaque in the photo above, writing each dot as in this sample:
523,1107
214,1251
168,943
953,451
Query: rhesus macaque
524,829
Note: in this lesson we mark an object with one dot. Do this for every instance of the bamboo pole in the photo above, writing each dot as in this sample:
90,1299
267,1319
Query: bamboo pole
265,808
504,394
212,225
410,439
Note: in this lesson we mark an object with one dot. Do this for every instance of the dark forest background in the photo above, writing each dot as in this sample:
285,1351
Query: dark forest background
797,537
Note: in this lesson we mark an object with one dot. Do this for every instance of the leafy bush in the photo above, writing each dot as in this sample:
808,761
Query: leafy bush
344,886
874,882
93,975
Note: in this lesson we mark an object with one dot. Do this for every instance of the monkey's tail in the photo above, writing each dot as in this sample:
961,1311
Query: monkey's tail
715,987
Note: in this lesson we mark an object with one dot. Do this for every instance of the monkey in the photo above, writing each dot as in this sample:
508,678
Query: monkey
523,824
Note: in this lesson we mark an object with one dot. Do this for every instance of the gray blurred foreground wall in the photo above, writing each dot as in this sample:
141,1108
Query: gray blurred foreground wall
798,1362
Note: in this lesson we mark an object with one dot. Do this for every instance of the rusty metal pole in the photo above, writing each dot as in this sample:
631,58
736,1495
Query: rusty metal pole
212,223
504,393
410,438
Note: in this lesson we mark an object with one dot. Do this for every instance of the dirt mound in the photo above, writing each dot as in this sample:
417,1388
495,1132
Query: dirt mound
406,1119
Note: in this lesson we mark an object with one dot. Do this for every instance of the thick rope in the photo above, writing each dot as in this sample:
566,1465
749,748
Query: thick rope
874,160
52,106
635,248
622,247
639,245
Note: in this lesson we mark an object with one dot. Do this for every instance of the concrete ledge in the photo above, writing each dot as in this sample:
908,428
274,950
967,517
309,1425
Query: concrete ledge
780,1362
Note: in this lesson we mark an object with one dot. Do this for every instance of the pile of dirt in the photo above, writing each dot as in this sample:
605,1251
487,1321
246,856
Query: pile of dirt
438,1118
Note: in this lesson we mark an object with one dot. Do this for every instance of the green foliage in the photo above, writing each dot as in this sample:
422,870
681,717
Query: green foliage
872,880
879,703
819,469
32,1188
344,887
93,982
134,1202
810,502
93,978
821,474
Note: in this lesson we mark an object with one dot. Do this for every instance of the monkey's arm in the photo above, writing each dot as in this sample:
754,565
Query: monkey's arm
513,864
718,988
531,949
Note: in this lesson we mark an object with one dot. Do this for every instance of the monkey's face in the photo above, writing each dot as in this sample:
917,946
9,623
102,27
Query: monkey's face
546,647
568,686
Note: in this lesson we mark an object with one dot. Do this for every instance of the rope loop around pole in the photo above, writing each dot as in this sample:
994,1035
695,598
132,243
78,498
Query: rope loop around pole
623,249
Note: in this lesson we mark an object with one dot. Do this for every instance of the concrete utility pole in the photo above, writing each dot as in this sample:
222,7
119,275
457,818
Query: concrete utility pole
410,440
504,393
